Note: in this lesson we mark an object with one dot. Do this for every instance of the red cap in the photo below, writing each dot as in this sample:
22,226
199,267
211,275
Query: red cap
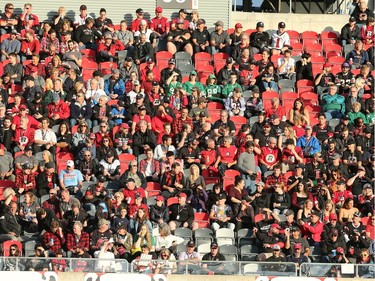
332,217
23,106
340,250
238,25
159,9
297,246
276,225
125,125
327,65
159,198
182,195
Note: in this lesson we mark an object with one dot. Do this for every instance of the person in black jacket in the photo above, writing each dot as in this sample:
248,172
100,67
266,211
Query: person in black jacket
37,108
159,213
98,113
80,110
47,179
350,32
86,34
88,166
167,72
143,139
304,67
9,226
259,39
143,50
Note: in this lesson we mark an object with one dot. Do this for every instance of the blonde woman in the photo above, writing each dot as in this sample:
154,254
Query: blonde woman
356,113
329,208
195,178
165,239
47,157
166,264
287,134
48,92
360,83
143,237
305,213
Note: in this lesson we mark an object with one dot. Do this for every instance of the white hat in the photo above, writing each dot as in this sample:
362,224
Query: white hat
70,163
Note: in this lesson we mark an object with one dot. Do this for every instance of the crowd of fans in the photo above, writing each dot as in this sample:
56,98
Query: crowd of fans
298,183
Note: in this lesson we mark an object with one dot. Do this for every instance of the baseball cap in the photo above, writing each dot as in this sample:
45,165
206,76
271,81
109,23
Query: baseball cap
159,9
121,103
333,217
109,154
308,127
214,245
350,141
202,114
331,140
281,24
28,148
238,25
27,166
172,61
301,166
150,60
275,225
139,96
166,100
195,142
340,250
357,214
260,24
101,178
367,186
83,7
108,36
295,228
182,194
222,196
139,11
289,213
345,64
30,78
335,156
125,125
339,182
49,165
352,19
193,72
159,198
212,76
23,107
129,59
201,21
70,163
276,247
97,73
92,136
297,246
267,125
137,195
260,183
346,117
274,116
219,23
327,65
229,60
183,11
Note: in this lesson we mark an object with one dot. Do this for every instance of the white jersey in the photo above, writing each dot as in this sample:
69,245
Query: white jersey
280,40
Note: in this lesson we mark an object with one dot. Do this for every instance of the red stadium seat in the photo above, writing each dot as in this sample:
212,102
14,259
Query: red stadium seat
202,58
210,176
238,121
230,31
171,201
318,60
202,219
219,58
269,95
162,59
215,105
289,96
229,177
328,36
304,85
64,156
88,53
153,189
309,36
294,36
257,57
315,49
107,66
309,96
332,50
336,60
7,244
249,31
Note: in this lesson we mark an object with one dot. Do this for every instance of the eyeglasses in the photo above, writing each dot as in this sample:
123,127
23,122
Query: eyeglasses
133,165
11,8
364,255
87,155
165,256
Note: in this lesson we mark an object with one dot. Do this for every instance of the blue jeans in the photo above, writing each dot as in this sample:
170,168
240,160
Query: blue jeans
333,114
272,85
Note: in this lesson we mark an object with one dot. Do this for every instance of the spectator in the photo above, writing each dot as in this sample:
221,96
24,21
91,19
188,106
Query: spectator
323,80
86,34
214,255
350,32
10,45
201,37
259,39
190,256
8,20
313,230
53,239
182,214
280,40
179,39
304,67
357,57
286,66
221,214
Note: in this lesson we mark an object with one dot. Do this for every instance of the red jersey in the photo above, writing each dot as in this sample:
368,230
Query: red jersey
155,71
340,196
279,111
62,109
208,157
34,46
129,195
24,137
159,25
288,155
247,75
136,23
269,155
367,33
228,154
33,123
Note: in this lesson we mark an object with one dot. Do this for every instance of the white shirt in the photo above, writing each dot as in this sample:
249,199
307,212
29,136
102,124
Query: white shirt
94,95
291,63
78,20
280,40
45,135
161,151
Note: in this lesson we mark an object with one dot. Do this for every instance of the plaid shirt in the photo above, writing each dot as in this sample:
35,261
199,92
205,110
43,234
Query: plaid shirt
73,242
271,181
23,179
155,166
58,241
177,124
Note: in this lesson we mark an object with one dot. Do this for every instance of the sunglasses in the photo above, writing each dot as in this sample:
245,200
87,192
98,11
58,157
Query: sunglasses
11,8
103,126
105,140
52,193
12,249
87,155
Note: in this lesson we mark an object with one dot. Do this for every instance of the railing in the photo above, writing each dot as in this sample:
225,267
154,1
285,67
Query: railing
214,267
63,264
349,270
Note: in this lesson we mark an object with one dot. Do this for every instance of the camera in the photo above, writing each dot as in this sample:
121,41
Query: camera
253,177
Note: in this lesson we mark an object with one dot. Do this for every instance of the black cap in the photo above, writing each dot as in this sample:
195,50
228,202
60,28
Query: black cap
172,61
155,83
367,130
139,11
214,245
97,73
352,19
50,165
29,147
27,166
38,96
139,96
130,180
101,178
260,24
30,78
350,141
121,103
190,244
129,59
182,11
109,154
166,99
331,140
222,196
281,24
345,117
83,7
299,165
340,182
289,141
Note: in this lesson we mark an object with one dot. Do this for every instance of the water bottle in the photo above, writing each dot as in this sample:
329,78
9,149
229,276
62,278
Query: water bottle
52,241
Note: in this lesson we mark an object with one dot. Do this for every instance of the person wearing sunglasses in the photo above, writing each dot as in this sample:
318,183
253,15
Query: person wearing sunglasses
364,270
167,264
14,264
8,19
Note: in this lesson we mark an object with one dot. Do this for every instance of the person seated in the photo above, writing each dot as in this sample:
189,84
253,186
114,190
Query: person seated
182,214
350,32
357,57
280,40
179,39
286,66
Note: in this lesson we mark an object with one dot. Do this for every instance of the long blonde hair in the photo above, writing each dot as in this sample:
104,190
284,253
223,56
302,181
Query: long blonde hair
194,173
